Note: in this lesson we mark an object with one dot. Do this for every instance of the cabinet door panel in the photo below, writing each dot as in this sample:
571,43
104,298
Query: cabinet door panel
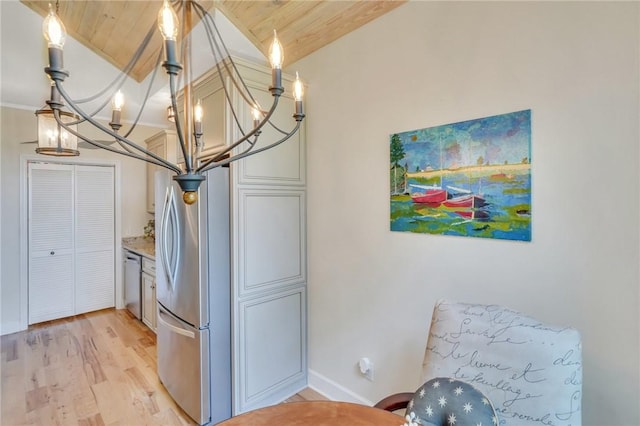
213,105
94,238
51,242
271,343
95,216
149,300
50,208
159,149
95,281
51,288
283,164
271,240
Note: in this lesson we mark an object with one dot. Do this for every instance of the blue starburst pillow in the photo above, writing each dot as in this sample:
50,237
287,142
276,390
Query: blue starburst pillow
450,402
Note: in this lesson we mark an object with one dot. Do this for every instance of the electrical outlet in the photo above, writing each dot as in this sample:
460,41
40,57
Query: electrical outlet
366,368
369,373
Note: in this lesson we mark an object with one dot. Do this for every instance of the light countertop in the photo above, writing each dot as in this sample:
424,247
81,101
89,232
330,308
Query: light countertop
142,245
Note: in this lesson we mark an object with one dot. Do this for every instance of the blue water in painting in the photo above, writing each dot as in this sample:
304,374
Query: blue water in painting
506,214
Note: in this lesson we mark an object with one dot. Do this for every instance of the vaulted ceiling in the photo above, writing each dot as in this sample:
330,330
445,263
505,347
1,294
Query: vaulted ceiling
114,29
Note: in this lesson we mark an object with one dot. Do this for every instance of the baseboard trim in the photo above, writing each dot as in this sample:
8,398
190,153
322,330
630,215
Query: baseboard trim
334,391
10,327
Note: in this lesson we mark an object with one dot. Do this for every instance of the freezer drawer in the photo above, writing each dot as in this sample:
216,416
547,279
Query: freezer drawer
183,364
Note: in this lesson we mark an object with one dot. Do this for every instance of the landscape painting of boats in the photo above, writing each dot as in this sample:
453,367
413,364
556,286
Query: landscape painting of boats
471,178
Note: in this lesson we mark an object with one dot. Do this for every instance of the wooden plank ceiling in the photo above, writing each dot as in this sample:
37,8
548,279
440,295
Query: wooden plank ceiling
114,29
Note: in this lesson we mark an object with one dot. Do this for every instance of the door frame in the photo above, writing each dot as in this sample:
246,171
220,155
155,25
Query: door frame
25,159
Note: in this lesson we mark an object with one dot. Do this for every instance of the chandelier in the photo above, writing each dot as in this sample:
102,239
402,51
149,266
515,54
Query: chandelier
58,132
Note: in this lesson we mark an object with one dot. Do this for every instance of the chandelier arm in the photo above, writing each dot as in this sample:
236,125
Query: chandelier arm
225,153
126,141
125,72
119,81
245,137
146,95
224,51
277,128
248,152
126,148
129,152
217,53
174,104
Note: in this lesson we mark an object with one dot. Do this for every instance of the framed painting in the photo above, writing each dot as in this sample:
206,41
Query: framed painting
471,178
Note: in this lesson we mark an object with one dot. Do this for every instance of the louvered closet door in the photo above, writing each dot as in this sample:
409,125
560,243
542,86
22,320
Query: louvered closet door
94,238
51,246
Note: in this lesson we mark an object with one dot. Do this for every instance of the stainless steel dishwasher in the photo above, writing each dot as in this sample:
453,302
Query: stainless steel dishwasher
132,287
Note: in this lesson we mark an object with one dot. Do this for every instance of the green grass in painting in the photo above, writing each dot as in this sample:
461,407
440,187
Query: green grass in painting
419,218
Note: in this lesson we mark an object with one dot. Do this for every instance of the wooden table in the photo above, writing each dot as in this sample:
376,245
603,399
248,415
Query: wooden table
316,413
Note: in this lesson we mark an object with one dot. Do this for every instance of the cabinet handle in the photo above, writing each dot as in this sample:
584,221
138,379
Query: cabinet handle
52,253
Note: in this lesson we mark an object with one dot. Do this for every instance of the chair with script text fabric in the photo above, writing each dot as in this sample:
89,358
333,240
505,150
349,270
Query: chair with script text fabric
495,363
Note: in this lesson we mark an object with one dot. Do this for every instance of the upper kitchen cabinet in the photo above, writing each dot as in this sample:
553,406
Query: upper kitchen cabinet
282,165
210,93
165,145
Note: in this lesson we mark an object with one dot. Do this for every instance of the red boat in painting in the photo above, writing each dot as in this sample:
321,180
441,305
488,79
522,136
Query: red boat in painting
468,201
429,194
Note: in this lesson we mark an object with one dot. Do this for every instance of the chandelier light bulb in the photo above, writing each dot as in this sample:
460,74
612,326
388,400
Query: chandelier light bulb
52,136
118,101
53,30
255,112
276,52
197,119
298,88
168,22
197,112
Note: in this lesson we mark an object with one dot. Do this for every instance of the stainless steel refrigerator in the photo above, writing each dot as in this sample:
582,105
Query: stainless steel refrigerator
193,293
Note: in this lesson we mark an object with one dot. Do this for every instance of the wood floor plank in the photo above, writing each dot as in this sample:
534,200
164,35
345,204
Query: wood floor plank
94,369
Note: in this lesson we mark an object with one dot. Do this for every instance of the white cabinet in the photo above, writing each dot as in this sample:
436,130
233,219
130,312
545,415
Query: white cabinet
149,308
211,95
268,255
71,239
165,145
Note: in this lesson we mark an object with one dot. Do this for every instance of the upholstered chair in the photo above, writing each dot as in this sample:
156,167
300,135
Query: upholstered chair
530,372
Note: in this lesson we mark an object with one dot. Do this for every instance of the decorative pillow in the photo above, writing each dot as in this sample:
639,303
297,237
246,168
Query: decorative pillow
446,401
531,372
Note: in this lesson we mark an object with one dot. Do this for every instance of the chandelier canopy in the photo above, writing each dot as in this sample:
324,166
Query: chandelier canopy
58,129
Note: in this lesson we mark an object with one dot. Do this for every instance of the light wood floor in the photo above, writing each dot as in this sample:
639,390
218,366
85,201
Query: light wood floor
89,370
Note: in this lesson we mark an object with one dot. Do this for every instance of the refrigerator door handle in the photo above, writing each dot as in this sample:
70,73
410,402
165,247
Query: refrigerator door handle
172,327
170,217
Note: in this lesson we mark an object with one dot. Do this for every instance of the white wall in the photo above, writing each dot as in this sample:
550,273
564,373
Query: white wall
19,125
371,291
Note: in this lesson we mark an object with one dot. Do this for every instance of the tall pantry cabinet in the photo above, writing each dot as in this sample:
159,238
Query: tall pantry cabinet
268,241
